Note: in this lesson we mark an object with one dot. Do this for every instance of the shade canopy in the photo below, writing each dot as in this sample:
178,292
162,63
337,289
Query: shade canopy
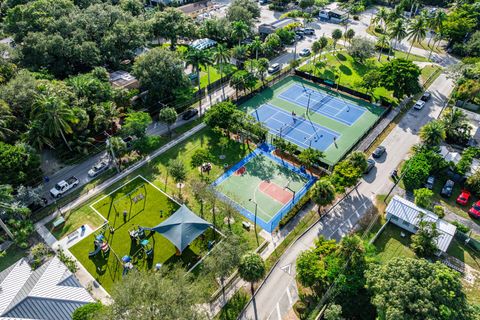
182,227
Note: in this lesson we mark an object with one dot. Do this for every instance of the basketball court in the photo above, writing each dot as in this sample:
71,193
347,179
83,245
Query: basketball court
263,183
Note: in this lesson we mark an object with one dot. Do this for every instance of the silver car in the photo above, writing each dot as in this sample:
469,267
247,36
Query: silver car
98,168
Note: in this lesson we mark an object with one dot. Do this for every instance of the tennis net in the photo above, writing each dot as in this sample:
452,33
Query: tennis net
290,128
322,102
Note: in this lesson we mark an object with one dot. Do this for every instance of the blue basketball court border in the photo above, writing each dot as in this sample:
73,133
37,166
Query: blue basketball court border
323,103
296,129
275,220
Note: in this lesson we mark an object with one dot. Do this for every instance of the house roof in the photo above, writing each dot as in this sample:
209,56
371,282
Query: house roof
450,156
50,292
182,227
411,213
193,8
123,79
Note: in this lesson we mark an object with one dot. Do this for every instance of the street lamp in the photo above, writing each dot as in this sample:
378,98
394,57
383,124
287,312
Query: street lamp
292,191
255,220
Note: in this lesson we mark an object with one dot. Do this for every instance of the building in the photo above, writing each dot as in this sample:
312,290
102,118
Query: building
202,44
196,8
124,80
335,15
407,216
268,28
51,292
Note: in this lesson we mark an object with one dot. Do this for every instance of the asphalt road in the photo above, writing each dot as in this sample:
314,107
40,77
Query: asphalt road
278,293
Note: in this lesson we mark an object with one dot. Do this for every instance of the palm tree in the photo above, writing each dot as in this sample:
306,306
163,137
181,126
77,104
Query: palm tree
208,63
436,26
323,193
35,136
261,66
416,32
55,116
5,118
240,53
197,59
433,133
381,18
221,56
398,31
395,14
316,48
336,35
252,269
348,36
256,45
382,42
240,31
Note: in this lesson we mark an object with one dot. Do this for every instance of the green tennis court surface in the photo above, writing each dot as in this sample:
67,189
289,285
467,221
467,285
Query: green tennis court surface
266,182
335,123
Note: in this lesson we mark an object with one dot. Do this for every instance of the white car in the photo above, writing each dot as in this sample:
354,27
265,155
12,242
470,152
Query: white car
99,168
419,105
305,52
274,68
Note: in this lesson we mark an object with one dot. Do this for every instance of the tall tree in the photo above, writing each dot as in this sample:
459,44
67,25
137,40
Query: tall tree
457,126
171,23
256,46
424,241
197,59
400,76
397,30
323,193
252,269
433,133
394,283
381,18
136,124
336,35
382,42
416,32
168,116
55,116
240,30
221,56
349,34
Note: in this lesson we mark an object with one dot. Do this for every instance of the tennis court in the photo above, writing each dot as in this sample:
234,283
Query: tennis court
312,116
263,183
298,130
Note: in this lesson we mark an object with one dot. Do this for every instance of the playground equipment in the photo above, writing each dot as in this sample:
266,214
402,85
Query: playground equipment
130,199
101,245
137,234
127,264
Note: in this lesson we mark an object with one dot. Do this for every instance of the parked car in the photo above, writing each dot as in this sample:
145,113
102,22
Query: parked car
305,52
300,32
262,2
474,211
430,182
309,31
63,186
370,165
298,37
274,68
189,114
463,198
447,189
419,105
426,96
378,152
99,167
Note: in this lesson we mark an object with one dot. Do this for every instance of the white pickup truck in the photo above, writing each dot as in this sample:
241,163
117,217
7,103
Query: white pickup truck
63,186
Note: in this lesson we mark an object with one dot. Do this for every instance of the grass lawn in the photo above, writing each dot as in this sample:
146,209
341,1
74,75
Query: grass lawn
148,212
12,255
427,72
391,244
424,45
214,73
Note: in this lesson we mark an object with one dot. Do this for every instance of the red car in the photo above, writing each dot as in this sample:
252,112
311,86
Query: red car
463,198
475,210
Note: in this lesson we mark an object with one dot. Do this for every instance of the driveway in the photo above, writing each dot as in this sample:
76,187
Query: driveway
278,293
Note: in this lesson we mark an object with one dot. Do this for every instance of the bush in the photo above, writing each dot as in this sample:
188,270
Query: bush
463,166
423,198
439,211
293,212
461,227
87,311
473,183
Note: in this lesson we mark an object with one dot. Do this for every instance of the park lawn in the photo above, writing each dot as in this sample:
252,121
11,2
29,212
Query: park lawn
390,244
152,210
74,220
349,72
214,73
12,255
424,45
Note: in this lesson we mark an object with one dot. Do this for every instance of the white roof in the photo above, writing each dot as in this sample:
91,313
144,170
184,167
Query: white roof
409,212
49,292
201,44
450,156
474,167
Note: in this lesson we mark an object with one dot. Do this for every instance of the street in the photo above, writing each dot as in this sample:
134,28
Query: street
278,293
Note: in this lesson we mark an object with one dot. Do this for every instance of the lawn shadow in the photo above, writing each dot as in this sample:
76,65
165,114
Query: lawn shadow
345,70
341,57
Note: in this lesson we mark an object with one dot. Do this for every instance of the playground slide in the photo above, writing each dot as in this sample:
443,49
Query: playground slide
95,252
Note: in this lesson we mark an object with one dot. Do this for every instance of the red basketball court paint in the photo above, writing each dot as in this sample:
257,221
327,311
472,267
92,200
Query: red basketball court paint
240,171
275,191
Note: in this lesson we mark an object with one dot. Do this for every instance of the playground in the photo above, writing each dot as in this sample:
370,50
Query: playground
125,241
312,116
264,184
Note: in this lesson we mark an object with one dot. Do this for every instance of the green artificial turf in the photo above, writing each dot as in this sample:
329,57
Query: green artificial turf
154,208
350,135
242,188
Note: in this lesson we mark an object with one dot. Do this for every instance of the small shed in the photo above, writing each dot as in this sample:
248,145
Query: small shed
266,29
407,215
124,80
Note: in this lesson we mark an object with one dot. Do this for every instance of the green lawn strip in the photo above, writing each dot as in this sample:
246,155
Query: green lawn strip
152,210
424,45
429,74
350,135
242,188
215,73
12,255
234,306
391,244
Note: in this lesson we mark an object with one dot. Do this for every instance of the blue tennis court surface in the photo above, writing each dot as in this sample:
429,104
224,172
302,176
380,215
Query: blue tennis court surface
298,130
323,103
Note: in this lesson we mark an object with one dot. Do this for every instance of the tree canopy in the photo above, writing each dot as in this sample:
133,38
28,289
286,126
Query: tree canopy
400,76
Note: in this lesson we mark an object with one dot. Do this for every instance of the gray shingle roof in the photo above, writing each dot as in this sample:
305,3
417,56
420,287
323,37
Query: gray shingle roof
50,292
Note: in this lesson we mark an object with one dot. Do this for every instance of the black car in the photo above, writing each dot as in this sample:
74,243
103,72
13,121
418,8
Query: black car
426,96
370,165
309,31
378,152
447,189
189,114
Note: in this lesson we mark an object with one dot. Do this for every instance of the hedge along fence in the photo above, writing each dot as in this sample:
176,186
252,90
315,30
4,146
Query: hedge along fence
467,240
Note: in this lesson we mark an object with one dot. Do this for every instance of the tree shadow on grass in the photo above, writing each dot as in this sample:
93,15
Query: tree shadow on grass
345,70
341,57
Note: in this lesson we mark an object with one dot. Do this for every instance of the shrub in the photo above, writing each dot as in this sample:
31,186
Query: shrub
423,197
461,227
473,182
87,311
439,211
